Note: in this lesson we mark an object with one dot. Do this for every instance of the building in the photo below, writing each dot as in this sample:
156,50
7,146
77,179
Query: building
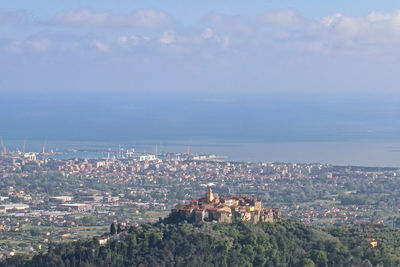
13,207
31,156
75,206
226,209
372,242
147,157
60,199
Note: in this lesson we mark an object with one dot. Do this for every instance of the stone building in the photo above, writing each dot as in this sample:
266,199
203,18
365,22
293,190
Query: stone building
227,208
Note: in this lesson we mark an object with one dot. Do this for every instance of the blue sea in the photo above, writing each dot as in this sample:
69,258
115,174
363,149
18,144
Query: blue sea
342,129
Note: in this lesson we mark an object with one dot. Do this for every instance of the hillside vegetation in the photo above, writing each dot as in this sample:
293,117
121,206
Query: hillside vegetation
286,243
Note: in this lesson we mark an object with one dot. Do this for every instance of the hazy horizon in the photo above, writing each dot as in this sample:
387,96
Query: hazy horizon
272,72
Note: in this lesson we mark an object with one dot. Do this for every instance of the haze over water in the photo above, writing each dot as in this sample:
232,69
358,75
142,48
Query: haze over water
271,81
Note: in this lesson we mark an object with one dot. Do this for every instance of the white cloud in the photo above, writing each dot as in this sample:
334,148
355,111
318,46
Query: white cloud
100,46
123,39
88,17
328,21
377,33
167,37
40,45
375,16
82,16
149,18
132,40
225,42
347,26
37,45
282,17
207,33
229,23
376,29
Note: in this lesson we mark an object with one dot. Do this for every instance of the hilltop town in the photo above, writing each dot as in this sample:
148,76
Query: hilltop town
224,209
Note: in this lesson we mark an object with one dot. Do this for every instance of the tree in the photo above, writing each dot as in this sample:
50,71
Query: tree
366,263
34,232
285,243
113,229
308,263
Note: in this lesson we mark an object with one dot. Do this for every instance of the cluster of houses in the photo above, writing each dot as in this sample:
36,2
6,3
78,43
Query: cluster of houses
227,208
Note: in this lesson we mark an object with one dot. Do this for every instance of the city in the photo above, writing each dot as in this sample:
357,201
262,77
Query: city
45,200
199,133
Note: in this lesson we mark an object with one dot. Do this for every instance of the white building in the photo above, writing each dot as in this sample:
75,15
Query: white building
147,157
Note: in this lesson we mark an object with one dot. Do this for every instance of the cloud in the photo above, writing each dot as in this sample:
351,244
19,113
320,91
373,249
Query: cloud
344,26
225,42
372,26
391,18
207,33
101,46
224,23
36,45
40,45
282,17
13,17
88,17
14,46
149,18
167,37
132,39
123,39
375,34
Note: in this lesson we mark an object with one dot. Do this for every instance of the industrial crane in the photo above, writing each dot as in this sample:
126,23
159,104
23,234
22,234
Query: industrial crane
188,148
43,153
23,148
4,147
44,147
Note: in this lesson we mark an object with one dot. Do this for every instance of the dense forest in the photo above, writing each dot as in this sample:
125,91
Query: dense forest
286,243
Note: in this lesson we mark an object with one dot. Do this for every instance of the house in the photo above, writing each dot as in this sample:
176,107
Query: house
103,241
372,242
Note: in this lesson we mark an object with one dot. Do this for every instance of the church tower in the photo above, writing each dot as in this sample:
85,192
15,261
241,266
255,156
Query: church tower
209,196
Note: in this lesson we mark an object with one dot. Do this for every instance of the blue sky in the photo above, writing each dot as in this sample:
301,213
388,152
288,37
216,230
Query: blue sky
187,10
269,70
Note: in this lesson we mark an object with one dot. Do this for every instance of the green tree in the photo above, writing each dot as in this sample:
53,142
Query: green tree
113,229
308,263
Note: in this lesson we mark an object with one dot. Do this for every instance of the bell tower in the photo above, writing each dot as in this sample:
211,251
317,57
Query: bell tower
209,195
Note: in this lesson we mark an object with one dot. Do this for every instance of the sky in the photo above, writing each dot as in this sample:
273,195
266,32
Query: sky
262,71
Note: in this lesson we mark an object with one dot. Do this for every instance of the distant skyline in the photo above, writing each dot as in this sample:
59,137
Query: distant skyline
269,70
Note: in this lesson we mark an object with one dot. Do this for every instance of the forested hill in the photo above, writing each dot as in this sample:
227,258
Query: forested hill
286,243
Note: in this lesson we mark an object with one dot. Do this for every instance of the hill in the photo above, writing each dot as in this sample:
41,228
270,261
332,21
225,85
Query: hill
284,243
